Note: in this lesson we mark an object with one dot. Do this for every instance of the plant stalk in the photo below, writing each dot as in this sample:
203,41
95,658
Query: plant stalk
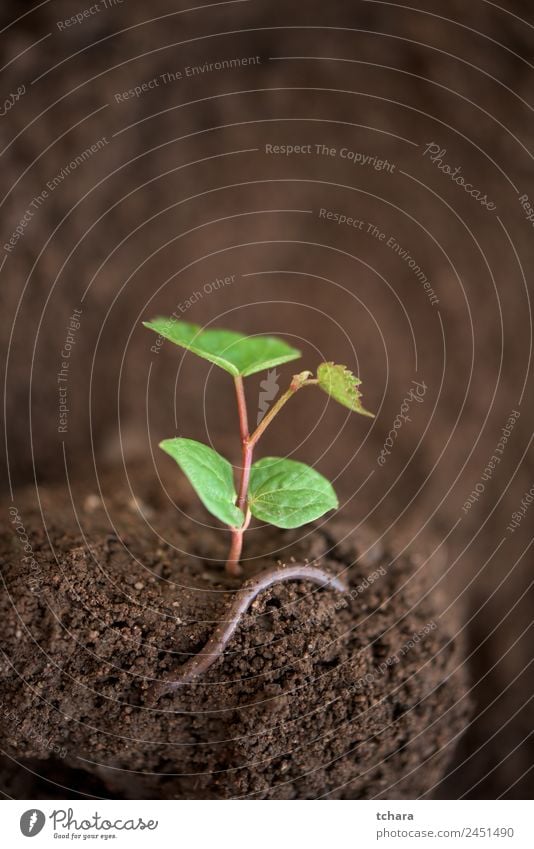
232,562
246,447
248,442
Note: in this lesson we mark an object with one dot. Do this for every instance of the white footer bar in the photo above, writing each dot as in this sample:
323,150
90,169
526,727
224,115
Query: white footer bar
273,825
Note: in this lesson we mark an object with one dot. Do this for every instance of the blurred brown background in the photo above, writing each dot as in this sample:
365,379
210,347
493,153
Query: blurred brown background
181,191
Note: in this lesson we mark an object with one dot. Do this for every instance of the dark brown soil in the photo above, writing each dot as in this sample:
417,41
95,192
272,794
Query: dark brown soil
318,694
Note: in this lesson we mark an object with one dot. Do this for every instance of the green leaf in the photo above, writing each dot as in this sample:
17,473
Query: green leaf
341,384
235,353
288,494
210,475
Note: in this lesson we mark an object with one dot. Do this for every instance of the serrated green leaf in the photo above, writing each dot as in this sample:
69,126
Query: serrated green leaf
288,494
231,351
210,475
341,384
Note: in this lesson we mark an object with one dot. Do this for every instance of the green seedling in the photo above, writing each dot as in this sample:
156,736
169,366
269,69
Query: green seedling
282,492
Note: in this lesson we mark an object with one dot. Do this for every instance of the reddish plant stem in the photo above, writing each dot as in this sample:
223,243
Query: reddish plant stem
223,633
246,449
232,562
248,441
234,554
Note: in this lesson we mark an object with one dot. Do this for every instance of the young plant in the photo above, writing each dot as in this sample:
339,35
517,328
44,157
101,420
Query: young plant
282,492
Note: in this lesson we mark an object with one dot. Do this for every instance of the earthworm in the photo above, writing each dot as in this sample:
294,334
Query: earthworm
214,648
